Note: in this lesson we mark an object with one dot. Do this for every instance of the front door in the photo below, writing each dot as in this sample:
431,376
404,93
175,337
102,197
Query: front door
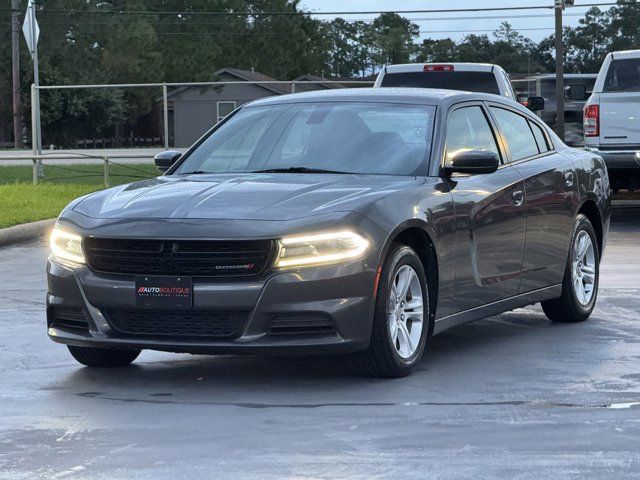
489,216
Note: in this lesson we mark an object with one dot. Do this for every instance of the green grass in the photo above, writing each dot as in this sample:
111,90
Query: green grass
82,174
24,202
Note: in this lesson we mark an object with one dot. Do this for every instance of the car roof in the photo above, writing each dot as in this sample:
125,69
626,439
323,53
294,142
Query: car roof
425,96
622,54
457,67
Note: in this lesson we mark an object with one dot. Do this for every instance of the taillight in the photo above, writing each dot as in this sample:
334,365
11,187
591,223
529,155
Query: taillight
438,68
591,120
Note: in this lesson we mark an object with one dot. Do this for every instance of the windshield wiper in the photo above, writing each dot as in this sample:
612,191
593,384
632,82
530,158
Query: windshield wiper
298,170
196,172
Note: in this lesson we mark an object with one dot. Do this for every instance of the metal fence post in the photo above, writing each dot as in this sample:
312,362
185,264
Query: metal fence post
165,112
35,171
106,171
293,87
34,141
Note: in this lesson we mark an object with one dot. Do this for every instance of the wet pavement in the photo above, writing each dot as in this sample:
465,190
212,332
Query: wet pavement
511,396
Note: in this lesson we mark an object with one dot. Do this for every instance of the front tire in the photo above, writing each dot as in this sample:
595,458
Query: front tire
401,321
102,357
582,273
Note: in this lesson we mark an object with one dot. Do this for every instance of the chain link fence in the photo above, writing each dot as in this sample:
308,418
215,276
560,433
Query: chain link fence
161,116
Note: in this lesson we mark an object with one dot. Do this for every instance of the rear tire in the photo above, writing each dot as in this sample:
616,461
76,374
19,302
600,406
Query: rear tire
401,321
102,357
581,276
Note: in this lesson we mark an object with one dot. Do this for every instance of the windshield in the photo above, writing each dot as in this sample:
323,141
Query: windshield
469,81
623,76
339,137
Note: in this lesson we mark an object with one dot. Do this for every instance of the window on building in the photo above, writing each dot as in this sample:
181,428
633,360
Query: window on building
225,108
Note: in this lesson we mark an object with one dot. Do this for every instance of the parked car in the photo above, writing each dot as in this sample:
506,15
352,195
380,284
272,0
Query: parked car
348,221
472,77
577,88
612,118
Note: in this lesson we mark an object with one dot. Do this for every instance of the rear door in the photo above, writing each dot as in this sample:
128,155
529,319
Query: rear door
551,195
620,103
489,212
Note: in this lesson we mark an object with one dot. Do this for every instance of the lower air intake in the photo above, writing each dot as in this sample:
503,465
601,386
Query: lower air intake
301,325
194,324
68,318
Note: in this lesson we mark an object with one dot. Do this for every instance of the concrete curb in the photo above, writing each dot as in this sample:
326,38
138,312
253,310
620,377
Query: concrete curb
25,231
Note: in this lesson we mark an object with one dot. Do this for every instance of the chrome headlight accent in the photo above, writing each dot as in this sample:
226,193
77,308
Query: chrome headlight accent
320,249
66,245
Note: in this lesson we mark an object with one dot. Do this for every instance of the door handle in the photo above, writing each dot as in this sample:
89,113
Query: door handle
568,178
518,197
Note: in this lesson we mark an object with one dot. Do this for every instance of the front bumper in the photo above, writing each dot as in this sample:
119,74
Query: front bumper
618,159
342,294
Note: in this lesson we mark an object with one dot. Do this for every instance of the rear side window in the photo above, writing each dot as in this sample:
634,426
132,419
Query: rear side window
468,129
623,76
540,137
468,81
517,134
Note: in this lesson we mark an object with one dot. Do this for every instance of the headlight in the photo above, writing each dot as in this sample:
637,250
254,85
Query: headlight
320,249
66,245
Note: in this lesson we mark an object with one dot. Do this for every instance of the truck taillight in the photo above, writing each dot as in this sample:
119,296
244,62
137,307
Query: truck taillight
591,120
438,68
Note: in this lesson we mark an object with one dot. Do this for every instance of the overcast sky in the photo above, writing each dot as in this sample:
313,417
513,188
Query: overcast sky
456,25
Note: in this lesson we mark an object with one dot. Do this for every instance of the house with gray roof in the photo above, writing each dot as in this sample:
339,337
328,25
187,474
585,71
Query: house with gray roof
194,110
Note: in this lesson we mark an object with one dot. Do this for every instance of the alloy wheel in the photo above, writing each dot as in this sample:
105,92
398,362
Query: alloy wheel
584,268
406,311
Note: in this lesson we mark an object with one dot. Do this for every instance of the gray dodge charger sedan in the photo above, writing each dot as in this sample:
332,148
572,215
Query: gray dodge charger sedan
354,221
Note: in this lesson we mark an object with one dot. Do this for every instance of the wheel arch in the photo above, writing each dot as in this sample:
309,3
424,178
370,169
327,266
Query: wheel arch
590,210
414,234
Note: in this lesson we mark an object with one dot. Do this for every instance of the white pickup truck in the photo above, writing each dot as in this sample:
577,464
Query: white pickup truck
474,77
612,118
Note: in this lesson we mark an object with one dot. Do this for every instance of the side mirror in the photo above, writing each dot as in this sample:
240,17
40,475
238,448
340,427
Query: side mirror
473,162
164,160
535,103
575,92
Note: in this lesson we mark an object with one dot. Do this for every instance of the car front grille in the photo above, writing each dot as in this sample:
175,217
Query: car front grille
194,324
204,258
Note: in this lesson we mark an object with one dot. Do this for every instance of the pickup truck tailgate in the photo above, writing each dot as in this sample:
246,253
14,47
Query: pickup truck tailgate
620,118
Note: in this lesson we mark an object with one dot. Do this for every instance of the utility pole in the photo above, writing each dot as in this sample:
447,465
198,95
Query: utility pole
15,66
559,6
31,32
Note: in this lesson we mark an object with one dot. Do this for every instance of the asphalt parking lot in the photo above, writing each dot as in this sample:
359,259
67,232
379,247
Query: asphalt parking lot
512,396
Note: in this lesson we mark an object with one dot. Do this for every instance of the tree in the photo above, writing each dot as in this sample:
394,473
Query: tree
104,41
392,39
624,25
444,50
514,52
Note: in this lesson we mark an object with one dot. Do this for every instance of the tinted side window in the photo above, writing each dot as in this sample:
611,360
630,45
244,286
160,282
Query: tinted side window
541,139
623,76
468,129
517,134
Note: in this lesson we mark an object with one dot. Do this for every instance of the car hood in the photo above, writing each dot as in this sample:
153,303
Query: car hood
281,196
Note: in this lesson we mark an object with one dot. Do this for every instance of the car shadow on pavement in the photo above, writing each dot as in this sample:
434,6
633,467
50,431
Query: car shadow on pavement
457,359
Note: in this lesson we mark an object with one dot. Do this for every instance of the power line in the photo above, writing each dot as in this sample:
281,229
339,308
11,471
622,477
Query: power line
351,20
322,13
421,32
288,33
